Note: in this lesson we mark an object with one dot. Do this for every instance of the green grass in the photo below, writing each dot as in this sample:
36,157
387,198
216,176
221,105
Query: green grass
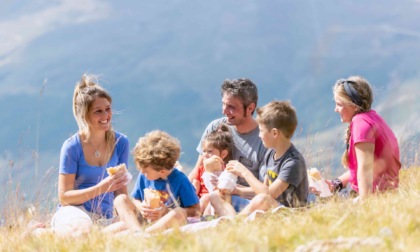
386,222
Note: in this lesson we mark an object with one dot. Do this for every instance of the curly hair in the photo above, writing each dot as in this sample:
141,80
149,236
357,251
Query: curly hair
157,150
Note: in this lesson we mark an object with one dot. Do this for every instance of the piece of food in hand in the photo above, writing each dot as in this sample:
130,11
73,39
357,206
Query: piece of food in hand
112,170
315,174
213,164
152,198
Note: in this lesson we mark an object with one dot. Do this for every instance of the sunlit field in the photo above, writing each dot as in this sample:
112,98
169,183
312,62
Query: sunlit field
387,222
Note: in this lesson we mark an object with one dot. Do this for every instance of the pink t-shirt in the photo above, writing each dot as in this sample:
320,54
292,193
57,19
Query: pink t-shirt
369,127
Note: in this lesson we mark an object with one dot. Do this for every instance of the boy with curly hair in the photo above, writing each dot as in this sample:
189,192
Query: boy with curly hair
155,156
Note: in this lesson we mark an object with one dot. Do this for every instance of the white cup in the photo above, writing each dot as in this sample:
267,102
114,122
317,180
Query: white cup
227,180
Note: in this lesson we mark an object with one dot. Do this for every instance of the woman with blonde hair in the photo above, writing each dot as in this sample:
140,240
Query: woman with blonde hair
85,191
372,153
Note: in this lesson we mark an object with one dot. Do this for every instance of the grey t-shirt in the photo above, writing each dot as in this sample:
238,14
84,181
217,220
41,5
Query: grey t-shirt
248,148
290,168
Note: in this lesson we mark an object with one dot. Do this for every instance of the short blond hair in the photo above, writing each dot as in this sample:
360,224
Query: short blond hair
278,115
158,150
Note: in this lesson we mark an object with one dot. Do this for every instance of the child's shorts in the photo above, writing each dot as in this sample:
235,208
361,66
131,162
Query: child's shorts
68,215
239,203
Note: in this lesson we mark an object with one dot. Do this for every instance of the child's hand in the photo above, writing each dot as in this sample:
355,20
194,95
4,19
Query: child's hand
236,168
213,164
153,214
330,185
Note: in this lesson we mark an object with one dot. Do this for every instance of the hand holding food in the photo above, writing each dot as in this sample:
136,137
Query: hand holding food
113,170
315,174
213,164
317,183
227,182
152,198
237,168
121,167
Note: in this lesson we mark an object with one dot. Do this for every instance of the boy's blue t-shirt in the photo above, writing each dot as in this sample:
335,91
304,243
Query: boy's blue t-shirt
72,161
182,189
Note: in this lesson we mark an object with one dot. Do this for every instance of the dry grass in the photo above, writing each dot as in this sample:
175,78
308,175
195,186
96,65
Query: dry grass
387,222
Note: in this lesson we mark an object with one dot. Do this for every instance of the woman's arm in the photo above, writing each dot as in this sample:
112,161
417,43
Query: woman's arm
335,184
345,177
365,160
69,196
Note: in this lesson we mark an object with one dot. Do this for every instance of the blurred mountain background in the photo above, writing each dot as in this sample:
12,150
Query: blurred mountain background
164,62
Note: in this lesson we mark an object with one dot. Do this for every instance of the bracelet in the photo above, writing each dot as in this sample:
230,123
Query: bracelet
338,184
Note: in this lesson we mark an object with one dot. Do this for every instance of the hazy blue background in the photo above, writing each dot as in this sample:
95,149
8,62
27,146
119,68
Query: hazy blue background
164,61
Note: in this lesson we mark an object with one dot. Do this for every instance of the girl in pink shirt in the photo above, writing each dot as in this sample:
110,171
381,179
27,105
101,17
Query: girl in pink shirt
372,152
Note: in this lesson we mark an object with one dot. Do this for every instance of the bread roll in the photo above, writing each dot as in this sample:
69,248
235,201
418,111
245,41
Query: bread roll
112,170
152,197
213,164
315,174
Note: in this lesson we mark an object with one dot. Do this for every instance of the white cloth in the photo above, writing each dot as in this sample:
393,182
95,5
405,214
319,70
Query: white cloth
207,176
70,216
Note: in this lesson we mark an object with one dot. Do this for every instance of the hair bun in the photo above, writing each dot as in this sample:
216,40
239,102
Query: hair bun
87,80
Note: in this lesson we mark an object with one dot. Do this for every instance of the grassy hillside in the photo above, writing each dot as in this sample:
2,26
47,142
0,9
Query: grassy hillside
387,222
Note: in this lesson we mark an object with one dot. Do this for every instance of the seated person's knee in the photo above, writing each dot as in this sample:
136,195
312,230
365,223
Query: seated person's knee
262,198
121,199
179,213
215,197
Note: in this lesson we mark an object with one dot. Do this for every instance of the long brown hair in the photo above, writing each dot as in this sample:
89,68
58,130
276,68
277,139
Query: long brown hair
221,139
355,91
85,93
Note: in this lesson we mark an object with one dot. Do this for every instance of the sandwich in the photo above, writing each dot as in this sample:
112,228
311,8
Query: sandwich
152,197
315,174
112,170
213,164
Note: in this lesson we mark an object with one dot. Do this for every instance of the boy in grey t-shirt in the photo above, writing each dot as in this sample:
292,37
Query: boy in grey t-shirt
286,179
